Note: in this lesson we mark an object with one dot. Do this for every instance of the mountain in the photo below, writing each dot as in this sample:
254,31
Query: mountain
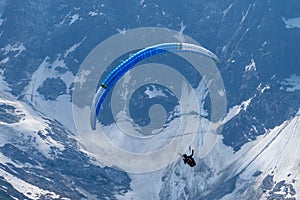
43,45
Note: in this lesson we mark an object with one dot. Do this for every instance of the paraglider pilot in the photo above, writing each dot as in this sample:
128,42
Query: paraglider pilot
189,159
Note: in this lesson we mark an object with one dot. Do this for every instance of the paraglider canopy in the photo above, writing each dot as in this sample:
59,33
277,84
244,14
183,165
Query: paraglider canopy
129,63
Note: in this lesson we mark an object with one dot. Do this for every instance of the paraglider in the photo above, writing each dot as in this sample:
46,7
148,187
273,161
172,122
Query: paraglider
189,159
129,63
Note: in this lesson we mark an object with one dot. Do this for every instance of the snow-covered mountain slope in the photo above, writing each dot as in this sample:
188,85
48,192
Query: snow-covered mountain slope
270,168
40,159
56,101
42,45
267,168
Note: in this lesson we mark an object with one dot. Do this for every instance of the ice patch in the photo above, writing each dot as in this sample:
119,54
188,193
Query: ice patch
141,2
5,60
244,16
81,77
74,18
267,87
19,48
251,66
226,10
122,31
292,22
64,19
73,47
154,92
292,83
2,21
92,13
221,93
234,111
262,89
179,35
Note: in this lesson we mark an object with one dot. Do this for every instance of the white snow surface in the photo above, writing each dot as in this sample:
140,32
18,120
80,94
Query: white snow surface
273,153
61,109
99,145
24,133
28,127
29,190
